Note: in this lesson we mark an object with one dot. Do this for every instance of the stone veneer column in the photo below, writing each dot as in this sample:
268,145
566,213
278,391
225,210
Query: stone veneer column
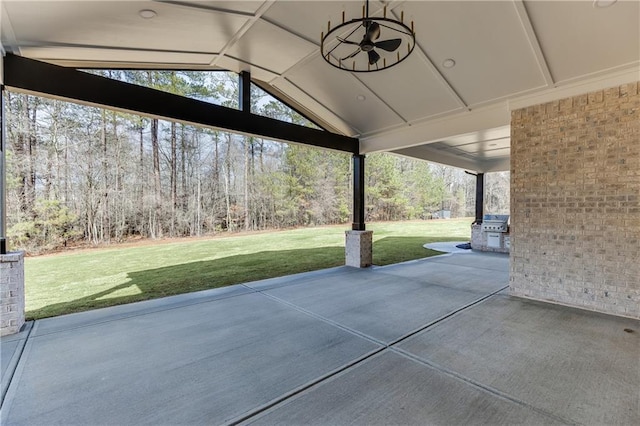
11,292
575,201
359,248
476,236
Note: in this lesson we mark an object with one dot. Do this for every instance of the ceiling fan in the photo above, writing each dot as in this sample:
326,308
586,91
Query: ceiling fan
364,33
372,32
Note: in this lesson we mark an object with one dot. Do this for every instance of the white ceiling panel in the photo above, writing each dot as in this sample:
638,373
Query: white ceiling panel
487,162
116,55
579,38
485,150
311,106
270,47
311,17
236,65
339,91
493,55
481,149
119,25
242,6
412,89
495,134
425,152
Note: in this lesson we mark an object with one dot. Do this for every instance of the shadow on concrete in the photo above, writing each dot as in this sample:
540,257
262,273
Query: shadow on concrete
204,275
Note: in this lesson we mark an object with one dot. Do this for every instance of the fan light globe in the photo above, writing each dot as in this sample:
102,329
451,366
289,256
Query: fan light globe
367,44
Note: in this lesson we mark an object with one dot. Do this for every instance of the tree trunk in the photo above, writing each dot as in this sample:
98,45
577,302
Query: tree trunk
174,178
215,187
141,180
30,195
118,185
104,217
66,171
247,215
183,168
157,229
227,183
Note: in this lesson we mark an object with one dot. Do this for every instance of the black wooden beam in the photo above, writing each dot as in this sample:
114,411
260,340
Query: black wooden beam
479,197
358,193
55,81
245,91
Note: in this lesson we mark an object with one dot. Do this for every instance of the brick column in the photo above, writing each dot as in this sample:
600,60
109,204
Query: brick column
476,236
11,292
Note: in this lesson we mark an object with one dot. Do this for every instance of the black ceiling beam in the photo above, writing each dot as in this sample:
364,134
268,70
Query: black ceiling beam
245,91
52,80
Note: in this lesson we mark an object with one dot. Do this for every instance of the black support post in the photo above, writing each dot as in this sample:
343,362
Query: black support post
245,91
479,197
358,193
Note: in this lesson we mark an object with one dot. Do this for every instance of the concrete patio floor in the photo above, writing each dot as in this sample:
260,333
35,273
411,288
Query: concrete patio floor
434,341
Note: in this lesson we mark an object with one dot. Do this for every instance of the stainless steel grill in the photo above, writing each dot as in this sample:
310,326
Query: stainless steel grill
494,227
495,223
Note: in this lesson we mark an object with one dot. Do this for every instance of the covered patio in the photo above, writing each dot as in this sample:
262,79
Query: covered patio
547,334
434,341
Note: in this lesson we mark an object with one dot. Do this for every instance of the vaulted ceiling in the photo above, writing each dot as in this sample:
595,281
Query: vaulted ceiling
508,55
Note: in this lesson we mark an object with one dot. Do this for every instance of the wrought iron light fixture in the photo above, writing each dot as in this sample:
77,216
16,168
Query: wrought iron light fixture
354,46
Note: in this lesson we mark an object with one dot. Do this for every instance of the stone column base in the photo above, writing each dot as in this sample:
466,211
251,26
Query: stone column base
476,237
11,292
358,248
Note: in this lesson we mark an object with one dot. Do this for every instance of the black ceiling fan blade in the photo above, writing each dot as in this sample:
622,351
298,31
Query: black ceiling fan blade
373,57
373,30
389,45
341,40
352,55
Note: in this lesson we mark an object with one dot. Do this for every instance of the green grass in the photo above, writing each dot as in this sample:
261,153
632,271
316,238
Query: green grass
89,279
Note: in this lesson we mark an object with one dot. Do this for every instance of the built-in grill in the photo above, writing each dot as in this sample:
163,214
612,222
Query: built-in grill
495,225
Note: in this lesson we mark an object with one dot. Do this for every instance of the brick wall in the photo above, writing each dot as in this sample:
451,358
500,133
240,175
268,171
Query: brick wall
575,201
11,293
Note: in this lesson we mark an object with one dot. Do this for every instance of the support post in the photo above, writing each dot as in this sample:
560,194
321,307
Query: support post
476,227
359,242
245,92
358,193
479,198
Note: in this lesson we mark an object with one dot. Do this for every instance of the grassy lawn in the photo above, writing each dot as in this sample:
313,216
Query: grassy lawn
89,279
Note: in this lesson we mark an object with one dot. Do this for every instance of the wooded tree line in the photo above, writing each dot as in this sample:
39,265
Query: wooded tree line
85,174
